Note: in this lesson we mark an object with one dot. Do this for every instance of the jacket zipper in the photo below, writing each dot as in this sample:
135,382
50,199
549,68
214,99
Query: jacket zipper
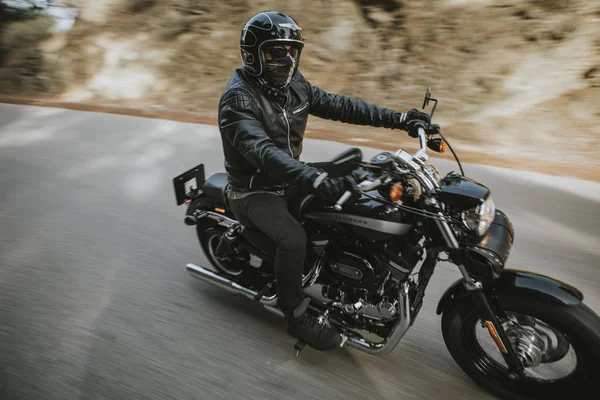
287,123
296,111
288,132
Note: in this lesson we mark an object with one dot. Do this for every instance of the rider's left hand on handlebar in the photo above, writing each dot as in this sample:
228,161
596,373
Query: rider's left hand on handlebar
331,189
413,128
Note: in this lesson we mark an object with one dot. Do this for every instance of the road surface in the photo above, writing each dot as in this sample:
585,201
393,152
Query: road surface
95,301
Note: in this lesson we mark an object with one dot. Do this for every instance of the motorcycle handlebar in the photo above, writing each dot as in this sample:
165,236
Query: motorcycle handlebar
367,185
422,139
342,200
422,153
364,186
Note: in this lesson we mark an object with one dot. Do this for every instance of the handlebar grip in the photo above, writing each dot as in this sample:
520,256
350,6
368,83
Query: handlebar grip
342,200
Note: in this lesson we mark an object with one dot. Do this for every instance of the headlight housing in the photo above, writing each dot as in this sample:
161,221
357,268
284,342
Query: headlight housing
479,219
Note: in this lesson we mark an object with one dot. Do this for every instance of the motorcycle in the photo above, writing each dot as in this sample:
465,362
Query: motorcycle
518,334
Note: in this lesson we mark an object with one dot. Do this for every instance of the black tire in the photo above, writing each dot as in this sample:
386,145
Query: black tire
209,239
579,324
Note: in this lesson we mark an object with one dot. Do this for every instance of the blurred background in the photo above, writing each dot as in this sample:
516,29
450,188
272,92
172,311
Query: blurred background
518,80
95,302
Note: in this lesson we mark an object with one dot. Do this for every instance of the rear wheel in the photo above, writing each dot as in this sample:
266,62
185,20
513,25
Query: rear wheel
209,240
559,346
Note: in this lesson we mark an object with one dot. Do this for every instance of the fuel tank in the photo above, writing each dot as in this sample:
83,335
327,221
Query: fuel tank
365,217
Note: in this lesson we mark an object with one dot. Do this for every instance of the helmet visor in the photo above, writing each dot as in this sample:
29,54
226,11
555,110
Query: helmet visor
279,49
277,52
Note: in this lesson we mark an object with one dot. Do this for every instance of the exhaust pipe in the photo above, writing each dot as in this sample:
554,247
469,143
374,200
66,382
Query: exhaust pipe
227,284
350,338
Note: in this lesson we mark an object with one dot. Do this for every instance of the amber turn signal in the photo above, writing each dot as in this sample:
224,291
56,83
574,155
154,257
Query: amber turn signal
443,146
438,145
396,192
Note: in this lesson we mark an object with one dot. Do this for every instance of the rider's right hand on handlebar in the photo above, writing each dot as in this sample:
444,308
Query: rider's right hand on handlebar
331,189
413,128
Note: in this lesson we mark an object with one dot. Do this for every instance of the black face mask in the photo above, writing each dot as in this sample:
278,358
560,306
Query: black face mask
281,75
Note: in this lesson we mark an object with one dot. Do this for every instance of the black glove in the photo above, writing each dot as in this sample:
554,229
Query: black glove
413,128
331,189
403,119
414,114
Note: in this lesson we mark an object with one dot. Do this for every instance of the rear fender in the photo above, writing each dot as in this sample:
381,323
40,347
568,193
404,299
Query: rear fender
519,283
205,203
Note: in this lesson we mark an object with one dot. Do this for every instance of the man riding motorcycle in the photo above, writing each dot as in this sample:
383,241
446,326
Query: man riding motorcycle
263,113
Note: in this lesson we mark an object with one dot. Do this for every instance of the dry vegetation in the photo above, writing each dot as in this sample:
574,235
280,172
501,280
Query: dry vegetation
508,72
24,64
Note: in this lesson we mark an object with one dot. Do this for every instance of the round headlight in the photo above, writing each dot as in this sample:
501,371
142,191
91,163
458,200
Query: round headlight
479,219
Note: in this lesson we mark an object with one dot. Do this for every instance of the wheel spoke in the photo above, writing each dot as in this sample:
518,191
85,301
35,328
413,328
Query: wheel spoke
534,341
229,267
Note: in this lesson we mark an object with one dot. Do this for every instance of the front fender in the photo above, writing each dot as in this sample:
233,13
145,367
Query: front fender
519,283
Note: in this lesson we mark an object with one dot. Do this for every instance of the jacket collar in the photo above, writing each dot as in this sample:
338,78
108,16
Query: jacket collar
278,95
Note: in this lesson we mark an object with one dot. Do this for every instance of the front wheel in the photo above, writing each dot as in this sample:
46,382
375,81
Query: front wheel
558,345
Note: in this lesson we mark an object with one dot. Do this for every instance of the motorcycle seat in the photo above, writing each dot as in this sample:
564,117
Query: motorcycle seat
215,187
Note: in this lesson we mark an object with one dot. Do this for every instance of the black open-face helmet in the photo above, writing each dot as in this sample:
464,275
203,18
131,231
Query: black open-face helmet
264,30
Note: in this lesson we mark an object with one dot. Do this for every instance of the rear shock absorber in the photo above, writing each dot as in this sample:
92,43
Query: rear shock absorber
229,237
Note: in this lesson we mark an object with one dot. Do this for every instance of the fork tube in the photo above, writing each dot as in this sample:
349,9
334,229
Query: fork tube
482,304
506,349
425,273
447,233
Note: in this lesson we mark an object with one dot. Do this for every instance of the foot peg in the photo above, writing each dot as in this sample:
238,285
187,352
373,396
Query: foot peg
299,346
262,291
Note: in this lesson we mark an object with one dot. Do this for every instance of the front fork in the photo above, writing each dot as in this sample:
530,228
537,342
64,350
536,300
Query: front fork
482,304
493,324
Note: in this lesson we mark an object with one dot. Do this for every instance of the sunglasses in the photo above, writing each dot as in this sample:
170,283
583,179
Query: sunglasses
277,52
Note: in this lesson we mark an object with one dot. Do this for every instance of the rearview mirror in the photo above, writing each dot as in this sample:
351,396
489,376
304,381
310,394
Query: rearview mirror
427,99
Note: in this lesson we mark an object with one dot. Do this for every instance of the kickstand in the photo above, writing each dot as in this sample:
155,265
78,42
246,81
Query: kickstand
344,339
299,346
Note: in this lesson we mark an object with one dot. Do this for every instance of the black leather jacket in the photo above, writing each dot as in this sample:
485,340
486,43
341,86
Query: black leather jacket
262,133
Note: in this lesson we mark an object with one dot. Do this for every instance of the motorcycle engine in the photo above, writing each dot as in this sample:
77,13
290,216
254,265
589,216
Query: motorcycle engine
354,267
363,281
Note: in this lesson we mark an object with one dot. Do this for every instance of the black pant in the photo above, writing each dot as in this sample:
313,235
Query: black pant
269,214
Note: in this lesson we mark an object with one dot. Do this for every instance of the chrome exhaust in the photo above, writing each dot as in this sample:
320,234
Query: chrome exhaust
351,338
233,287
227,284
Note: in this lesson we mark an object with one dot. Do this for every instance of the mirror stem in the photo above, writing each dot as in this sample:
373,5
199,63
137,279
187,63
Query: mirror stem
434,106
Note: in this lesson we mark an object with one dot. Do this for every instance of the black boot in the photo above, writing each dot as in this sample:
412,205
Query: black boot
305,326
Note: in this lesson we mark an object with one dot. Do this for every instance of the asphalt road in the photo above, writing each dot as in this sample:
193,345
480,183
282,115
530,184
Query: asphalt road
95,301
